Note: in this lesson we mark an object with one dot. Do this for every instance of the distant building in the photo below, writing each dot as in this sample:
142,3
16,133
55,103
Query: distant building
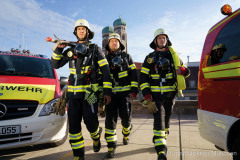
190,93
138,67
105,34
120,27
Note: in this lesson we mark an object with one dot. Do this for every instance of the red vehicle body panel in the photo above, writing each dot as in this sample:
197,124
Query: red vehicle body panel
34,80
216,94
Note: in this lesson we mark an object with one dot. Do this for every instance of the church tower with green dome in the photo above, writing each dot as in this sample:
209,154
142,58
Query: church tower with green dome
120,27
105,35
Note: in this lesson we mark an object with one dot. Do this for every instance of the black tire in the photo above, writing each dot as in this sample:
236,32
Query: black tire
236,149
219,148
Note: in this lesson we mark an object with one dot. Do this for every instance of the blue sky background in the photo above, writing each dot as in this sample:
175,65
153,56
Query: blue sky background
187,23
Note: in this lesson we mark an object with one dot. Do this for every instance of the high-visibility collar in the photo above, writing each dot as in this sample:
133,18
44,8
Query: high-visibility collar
181,85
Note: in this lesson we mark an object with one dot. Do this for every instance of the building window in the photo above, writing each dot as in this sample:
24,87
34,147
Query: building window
181,98
192,84
123,37
104,43
193,98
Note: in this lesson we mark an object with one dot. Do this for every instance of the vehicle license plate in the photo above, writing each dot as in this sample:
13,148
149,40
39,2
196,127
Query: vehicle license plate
7,130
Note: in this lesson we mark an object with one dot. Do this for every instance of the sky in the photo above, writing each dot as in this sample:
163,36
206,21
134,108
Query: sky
29,22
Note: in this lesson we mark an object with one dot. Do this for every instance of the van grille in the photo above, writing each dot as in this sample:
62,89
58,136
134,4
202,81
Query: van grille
18,108
6,139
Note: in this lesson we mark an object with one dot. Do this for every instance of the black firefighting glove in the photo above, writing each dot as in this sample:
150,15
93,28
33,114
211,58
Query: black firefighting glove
60,106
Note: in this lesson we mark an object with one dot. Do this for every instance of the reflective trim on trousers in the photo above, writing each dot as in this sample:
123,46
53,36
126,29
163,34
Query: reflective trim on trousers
109,131
111,138
95,134
77,145
126,130
160,141
159,133
75,136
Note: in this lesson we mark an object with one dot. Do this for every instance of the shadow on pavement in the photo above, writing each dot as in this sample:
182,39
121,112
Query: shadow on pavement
134,152
7,154
68,155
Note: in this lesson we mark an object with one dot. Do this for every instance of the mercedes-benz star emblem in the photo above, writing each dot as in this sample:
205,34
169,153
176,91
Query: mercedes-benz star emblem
3,110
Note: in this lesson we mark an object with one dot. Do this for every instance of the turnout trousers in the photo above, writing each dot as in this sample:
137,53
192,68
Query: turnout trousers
162,123
79,109
122,107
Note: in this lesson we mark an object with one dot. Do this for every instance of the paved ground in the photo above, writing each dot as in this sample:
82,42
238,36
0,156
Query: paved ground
184,138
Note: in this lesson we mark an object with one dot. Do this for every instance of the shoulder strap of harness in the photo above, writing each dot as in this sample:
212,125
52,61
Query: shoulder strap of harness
89,55
125,57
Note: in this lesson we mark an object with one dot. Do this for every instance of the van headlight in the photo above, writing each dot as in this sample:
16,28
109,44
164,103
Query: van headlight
48,108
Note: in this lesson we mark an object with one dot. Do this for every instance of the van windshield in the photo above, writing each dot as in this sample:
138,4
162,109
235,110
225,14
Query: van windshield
226,47
25,66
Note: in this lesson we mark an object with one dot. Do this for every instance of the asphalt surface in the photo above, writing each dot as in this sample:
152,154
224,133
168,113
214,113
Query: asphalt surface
184,143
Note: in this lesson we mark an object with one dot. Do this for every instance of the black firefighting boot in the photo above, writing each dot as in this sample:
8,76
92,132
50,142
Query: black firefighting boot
97,144
110,153
79,158
166,132
126,139
162,156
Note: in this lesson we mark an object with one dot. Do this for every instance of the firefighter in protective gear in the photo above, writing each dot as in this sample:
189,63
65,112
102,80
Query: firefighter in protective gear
85,61
125,87
162,77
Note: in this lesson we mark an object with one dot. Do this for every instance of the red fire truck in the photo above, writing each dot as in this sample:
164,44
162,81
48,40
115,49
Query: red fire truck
219,84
